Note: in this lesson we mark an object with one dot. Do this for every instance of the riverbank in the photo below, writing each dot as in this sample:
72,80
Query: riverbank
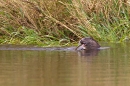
52,23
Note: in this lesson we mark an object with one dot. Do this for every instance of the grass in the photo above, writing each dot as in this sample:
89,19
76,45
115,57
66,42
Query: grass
62,22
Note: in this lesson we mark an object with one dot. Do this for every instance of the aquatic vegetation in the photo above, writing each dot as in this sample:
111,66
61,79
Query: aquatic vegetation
61,22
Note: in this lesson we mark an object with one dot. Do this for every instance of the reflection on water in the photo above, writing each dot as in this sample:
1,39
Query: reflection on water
88,52
110,67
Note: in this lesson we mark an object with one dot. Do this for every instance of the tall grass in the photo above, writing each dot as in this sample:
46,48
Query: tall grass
46,22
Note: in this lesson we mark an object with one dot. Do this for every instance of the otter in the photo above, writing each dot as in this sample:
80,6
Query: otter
88,43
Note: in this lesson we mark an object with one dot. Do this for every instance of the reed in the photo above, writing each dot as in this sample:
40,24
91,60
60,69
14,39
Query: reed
60,22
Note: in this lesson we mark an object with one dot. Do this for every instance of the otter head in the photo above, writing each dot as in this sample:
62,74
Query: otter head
87,43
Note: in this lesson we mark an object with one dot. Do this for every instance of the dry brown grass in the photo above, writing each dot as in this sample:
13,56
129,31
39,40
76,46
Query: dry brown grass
43,16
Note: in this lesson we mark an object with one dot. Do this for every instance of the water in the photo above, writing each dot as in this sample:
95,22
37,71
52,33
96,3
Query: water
40,67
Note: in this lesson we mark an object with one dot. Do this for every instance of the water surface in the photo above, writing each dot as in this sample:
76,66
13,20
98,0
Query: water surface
35,67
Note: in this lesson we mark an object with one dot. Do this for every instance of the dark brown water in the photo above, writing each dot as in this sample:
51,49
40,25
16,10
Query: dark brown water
108,67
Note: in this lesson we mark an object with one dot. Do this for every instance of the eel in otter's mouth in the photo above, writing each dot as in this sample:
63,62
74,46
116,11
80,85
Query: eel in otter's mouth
81,46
